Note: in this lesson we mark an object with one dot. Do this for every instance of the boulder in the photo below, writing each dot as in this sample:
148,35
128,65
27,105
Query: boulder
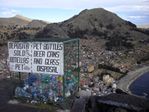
90,68
84,93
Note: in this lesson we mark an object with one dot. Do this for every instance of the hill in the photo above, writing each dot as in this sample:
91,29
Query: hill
21,21
37,24
105,38
13,21
94,22
98,23
19,27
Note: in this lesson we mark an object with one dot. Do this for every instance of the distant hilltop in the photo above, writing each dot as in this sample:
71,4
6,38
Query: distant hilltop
21,21
145,26
23,18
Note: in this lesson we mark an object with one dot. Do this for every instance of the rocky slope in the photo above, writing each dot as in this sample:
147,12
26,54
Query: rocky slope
97,23
105,38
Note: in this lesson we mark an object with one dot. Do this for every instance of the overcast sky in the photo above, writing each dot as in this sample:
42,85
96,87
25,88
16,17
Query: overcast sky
136,11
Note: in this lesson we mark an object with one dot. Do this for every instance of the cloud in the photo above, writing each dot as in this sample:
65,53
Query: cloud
6,12
130,8
146,1
62,4
65,4
136,17
112,5
136,12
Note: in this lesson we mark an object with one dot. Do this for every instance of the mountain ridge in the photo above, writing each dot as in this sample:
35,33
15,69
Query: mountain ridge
23,17
19,20
12,21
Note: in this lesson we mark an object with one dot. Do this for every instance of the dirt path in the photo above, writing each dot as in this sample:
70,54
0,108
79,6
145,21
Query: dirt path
6,92
126,81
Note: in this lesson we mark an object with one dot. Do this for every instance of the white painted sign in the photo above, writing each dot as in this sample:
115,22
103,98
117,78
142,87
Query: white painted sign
47,57
36,57
19,56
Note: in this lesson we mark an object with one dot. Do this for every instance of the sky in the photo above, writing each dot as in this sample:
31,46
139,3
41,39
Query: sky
136,11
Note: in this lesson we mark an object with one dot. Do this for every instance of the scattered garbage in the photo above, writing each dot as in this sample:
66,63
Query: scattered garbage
42,87
13,102
21,92
99,86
